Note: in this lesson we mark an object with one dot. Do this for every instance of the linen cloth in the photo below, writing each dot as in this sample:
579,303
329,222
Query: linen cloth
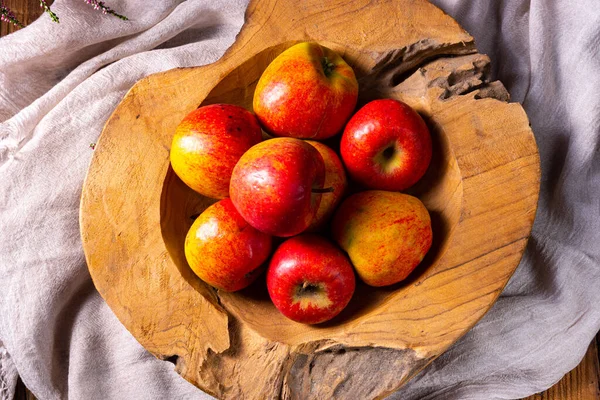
59,84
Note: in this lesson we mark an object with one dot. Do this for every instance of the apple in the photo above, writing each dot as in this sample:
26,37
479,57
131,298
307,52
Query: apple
386,234
309,279
223,250
208,143
306,92
386,145
277,184
335,178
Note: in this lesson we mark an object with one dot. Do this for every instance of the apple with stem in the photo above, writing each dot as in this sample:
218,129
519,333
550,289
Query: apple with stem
309,279
208,143
335,178
277,186
386,145
386,234
223,250
306,92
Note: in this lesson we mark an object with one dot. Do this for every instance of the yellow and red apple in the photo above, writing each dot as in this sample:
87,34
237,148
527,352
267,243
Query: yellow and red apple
224,250
306,92
208,143
386,234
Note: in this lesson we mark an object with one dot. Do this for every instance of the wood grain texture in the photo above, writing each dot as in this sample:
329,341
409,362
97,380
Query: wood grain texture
582,383
481,192
25,11
22,393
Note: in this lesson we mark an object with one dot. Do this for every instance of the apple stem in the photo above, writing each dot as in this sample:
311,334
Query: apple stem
323,190
308,289
328,67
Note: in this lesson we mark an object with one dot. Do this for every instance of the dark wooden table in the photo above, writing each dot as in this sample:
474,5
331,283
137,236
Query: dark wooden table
582,383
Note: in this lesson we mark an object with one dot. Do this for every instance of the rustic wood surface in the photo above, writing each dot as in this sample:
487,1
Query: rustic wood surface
581,383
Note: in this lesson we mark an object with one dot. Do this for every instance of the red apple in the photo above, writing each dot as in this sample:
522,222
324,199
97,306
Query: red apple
309,279
306,92
208,143
386,234
223,250
386,145
277,184
335,178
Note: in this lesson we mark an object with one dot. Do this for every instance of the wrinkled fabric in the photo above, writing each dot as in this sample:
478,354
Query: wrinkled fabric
59,84
8,374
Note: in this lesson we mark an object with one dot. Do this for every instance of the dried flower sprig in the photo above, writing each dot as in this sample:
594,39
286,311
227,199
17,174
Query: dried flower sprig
47,10
99,5
6,15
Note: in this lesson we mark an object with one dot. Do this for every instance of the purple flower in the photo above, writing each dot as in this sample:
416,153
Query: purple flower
6,15
99,5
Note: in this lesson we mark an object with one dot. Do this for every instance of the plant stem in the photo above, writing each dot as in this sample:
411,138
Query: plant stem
99,5
47,10
328,67
323,190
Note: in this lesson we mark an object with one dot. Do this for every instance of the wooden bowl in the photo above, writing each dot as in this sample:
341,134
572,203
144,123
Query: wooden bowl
481,191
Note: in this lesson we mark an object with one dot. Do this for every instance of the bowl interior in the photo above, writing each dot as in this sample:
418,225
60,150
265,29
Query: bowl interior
440,190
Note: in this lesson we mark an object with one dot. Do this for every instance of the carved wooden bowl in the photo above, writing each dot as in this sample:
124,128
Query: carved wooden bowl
481,191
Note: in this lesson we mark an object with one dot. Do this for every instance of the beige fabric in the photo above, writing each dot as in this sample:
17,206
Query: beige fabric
59,84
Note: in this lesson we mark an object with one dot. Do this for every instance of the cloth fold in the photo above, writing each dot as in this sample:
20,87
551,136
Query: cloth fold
8,375
59,84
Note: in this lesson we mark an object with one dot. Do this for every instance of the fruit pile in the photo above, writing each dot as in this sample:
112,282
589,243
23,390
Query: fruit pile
291,186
